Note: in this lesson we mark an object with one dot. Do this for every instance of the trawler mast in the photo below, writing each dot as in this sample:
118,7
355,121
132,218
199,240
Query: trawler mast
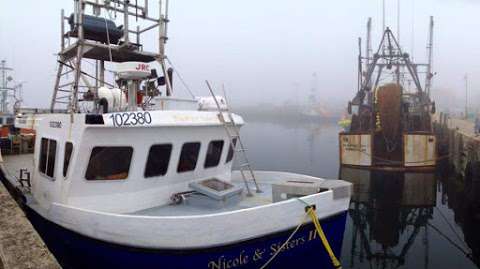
5,89
391,118
99,39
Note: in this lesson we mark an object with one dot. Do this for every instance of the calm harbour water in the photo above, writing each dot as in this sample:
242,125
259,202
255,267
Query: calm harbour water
396,220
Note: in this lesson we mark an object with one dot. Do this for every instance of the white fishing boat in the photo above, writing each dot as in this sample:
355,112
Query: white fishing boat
126,175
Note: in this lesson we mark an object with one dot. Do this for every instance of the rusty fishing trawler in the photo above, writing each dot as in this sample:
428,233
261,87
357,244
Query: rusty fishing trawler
390,115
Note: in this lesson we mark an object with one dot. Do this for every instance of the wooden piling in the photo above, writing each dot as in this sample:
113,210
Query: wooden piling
458,138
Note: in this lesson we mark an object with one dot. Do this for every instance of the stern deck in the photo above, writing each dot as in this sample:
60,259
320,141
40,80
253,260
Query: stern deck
189,209
200,204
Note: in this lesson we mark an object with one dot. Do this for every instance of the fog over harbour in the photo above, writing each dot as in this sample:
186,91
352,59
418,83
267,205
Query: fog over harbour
265,51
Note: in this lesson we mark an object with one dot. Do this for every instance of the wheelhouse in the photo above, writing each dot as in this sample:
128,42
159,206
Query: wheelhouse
125,169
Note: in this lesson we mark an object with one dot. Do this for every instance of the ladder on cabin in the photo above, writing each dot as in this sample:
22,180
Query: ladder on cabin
64,91
234,136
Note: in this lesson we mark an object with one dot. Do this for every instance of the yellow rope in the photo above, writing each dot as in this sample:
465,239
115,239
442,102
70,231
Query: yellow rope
316,222
284,244
313,216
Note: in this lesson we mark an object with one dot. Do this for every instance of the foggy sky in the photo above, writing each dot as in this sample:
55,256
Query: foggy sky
260,49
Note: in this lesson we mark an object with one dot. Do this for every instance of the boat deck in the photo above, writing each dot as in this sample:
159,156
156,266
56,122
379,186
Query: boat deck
205,206
195,204
14,164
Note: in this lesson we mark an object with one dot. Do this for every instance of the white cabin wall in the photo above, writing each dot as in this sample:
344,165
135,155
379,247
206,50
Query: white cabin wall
136,192
47,190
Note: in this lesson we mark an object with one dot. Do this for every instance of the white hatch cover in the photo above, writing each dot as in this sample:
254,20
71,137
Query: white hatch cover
216,189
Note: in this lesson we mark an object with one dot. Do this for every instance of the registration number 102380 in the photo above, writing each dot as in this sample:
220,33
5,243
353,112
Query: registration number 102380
131,119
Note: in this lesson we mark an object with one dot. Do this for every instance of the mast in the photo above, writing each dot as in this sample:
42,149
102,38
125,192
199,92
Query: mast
163,40
394,53
360,72
4,89
398,21
466,96
368,46
7,91
429,76
383,16
368,49
115,46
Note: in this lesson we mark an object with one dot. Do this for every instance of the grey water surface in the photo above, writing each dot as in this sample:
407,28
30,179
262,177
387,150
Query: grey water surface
395,220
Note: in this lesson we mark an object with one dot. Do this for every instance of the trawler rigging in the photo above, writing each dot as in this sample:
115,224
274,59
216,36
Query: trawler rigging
100,39
391,111
10,92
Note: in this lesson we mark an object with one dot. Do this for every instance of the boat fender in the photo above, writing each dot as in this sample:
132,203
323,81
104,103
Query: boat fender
433,109
349,108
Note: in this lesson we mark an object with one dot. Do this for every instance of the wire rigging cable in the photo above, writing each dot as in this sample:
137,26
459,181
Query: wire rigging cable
180,77
451,227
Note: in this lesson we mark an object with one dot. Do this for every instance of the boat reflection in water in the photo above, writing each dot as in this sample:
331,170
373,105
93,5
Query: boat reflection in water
462,195
390,211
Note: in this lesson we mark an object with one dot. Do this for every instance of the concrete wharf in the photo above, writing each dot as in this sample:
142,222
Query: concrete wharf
20,245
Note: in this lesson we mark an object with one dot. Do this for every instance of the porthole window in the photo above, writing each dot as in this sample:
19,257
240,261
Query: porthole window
48,152
231,150
158,160
109,163
188,157
214,152
66,159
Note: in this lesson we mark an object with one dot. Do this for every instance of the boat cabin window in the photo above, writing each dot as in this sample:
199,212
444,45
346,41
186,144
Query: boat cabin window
158,160
66,158
231,150
10,120
48,151
188,157
1,120
214,152
109,163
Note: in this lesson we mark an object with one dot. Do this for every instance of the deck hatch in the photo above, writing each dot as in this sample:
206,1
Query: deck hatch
216,188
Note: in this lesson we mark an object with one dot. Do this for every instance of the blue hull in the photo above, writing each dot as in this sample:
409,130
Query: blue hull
305,250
